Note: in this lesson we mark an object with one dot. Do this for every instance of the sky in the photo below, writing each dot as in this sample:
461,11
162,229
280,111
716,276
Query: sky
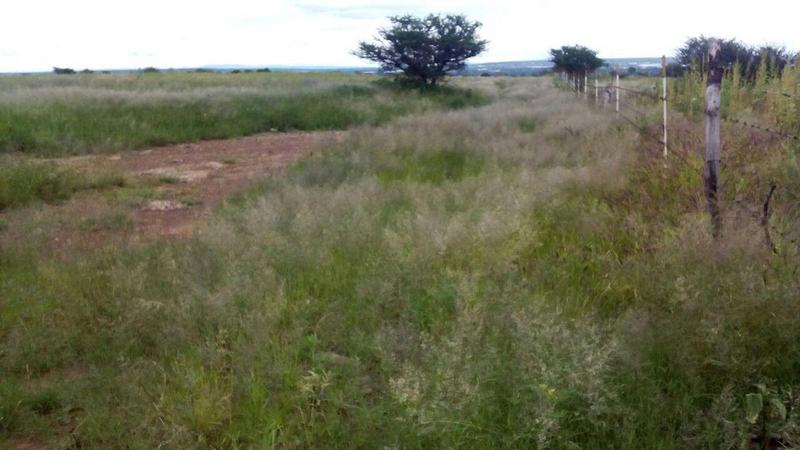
113,34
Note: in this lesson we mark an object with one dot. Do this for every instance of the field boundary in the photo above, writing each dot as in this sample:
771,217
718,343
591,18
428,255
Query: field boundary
627,108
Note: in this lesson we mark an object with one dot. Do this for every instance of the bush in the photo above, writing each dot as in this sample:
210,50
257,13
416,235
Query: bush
150,70
63,71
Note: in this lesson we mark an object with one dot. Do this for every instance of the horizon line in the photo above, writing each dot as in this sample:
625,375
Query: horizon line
289,66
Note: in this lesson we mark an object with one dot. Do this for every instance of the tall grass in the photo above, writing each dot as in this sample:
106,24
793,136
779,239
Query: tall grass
23,182
51,115
455,279
773,101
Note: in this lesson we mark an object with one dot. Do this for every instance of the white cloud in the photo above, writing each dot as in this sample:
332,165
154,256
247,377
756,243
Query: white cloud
36,35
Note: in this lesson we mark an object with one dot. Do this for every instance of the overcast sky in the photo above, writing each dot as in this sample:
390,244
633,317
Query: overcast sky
100,34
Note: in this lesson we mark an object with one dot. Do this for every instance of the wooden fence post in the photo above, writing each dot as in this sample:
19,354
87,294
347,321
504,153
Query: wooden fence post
596,91
617,90
664,98
585,83
713,139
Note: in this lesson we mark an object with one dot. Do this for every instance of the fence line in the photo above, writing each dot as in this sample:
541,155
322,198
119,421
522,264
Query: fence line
623,104
641,93
636,92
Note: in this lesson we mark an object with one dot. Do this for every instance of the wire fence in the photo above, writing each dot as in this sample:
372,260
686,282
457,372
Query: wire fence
630,105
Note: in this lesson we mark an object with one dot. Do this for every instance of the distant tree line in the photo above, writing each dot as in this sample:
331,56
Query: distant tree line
69,71
734,55
63,71
576,61
263,70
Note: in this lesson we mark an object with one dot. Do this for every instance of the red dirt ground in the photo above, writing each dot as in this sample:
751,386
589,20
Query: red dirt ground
209,172
190,180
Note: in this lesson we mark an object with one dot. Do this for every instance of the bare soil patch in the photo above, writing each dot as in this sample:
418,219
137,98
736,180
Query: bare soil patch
206,173
187,181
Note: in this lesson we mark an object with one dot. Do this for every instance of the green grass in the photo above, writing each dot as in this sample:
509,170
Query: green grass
432,167
23,182
449,280
47,115
114,221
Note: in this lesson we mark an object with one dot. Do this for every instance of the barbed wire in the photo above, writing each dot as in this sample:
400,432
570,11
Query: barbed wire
776,93
762,128
739,169
638,92
634,109
646,133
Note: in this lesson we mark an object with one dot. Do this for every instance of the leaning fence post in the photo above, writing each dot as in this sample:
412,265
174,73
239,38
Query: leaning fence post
713,139
617,90
664,98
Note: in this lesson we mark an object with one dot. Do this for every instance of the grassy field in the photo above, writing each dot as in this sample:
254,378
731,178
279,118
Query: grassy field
59,115
523,274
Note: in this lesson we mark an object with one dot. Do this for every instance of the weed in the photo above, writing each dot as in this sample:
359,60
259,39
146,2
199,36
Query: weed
166,179
115,221
44,402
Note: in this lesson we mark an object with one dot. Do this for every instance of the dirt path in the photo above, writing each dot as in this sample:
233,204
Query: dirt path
181,184
202,175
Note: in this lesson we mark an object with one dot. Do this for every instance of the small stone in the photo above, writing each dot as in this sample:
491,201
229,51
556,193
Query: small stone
164,205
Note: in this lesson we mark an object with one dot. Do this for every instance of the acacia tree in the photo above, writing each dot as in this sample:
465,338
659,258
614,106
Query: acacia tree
576,61
424,49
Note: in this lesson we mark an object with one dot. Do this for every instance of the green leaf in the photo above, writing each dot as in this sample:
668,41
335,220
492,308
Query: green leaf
754,405
779,407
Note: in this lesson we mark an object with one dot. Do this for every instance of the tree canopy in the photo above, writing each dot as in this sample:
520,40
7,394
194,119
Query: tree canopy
576,61
424,49
694,52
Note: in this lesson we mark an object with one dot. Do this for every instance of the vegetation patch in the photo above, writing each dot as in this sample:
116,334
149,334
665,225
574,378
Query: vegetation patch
49,117
432,167
23,182
527,124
